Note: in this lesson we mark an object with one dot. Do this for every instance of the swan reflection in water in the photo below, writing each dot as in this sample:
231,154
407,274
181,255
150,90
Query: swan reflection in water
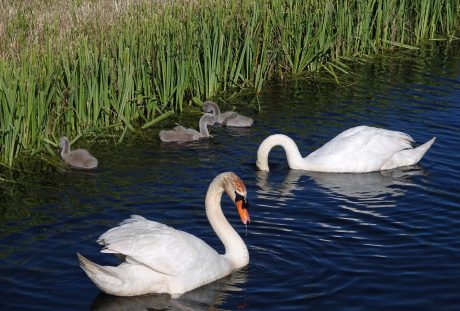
207,297
360,186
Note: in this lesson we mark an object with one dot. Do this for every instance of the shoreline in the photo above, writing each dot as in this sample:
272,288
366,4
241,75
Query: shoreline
161,59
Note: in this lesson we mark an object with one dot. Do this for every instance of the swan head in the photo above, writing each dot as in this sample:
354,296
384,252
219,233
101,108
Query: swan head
63,142
236,190
211,107
208,119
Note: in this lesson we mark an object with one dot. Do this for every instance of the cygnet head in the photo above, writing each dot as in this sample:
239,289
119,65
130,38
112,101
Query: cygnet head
63,143
208,119
211,107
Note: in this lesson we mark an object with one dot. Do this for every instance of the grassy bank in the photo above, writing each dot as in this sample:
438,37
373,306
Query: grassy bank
80,67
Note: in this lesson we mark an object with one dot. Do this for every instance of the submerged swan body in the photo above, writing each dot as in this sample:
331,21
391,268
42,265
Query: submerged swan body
160,259
180,133
79,158
228,118
360,149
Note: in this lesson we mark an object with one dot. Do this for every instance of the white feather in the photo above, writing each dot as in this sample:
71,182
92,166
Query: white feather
161,259
356,150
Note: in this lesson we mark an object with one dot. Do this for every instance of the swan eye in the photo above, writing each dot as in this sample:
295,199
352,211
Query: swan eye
239,197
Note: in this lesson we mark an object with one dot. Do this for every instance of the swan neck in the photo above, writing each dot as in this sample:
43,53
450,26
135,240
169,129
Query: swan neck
290,147
66,148
215,108
204,128
235,248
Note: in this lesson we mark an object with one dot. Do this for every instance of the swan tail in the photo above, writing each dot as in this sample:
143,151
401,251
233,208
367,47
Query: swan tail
165,136
229,118
408,157
91,163
103,277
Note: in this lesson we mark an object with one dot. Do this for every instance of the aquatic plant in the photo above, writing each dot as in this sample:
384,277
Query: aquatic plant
79,67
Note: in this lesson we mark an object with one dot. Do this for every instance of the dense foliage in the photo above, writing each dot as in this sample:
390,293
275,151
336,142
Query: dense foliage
75,67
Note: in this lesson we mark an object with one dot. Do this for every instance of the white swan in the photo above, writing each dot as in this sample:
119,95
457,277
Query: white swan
229,118
357,150
160,259
79,158
180,133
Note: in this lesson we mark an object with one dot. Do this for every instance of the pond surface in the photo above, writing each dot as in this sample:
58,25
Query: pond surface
317,241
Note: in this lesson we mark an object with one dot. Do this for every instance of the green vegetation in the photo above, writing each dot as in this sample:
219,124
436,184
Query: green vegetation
80,67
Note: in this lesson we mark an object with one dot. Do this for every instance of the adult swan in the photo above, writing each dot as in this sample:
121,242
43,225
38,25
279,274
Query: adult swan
360,149
160,259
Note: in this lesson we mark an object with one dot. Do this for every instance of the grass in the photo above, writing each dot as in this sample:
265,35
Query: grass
86,66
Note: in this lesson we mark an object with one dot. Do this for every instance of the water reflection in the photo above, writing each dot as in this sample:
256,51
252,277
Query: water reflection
238,131
357,186
317,241
369,185
207,297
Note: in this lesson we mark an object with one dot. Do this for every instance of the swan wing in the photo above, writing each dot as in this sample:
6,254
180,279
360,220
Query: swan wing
360,149
231,118
80,158
155,245
178,134
193,133
181,129
79,155
369,131
350,132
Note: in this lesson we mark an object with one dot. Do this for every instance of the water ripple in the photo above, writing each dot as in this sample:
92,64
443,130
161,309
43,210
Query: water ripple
383,240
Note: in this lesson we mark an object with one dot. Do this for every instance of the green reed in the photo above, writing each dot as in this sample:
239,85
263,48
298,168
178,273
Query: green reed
158,57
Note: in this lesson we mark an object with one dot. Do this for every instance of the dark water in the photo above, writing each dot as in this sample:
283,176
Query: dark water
317,241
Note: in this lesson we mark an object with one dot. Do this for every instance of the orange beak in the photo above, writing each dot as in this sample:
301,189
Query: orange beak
241,207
